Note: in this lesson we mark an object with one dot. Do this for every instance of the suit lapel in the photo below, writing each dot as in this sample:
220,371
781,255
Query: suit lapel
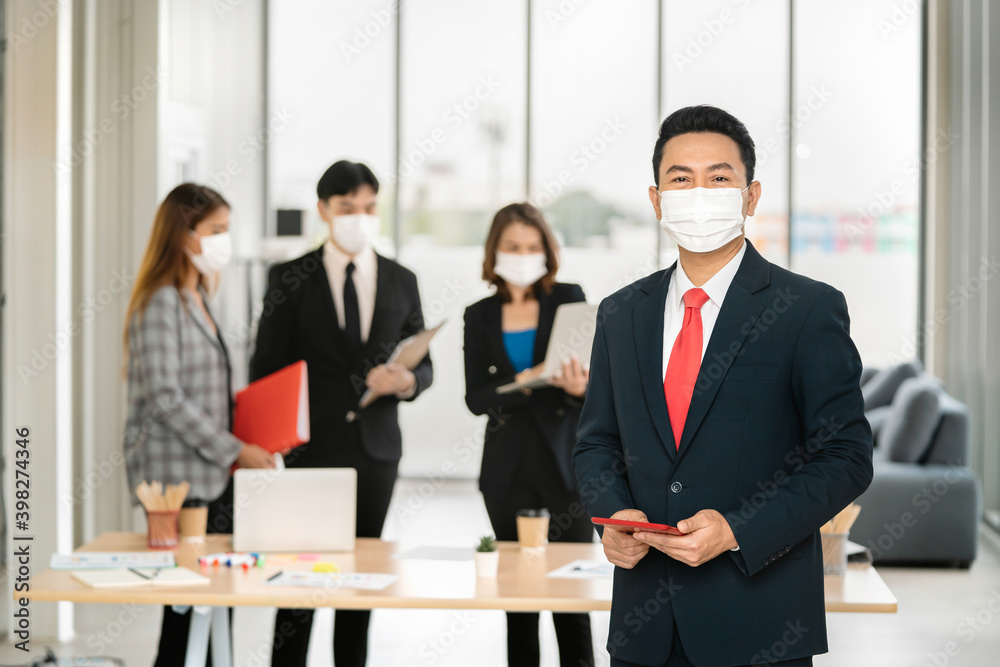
546,314
647,326
199,320
494,333
739,313
324,310
385,297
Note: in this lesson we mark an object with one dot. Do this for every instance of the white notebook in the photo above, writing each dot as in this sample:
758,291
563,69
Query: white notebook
172,576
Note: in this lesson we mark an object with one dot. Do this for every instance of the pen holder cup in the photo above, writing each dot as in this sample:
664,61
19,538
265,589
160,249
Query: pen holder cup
162,529
834,553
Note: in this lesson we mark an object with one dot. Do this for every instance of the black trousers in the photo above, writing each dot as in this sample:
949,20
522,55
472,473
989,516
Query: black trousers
174,627
678,657
538,484
292,627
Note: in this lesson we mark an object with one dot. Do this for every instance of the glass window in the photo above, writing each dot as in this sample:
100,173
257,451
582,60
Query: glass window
856,167
332,74
734,55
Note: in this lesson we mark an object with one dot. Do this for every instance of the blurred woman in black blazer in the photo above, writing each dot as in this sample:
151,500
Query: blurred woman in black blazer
530,434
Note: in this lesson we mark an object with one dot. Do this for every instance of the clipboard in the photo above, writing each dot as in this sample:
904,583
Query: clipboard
408,353
572,335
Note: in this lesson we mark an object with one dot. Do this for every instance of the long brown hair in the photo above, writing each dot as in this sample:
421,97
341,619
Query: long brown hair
165,262
526,214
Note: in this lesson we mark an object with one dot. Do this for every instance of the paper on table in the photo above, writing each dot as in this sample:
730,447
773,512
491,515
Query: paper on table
408,353
437,553
354,580
100,560
584,569
174,576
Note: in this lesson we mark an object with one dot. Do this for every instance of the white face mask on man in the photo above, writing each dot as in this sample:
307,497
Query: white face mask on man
216,251
353,233
702,219
519,269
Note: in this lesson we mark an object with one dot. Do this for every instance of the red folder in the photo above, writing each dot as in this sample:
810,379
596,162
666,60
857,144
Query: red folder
273,412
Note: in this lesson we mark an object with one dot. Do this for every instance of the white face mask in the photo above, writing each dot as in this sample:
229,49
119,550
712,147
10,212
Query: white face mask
702,219
216,251
521,270
354,233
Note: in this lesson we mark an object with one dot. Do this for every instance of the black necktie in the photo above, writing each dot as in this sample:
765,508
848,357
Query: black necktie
352,317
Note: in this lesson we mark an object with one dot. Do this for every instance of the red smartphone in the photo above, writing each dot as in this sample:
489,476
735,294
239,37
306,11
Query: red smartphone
635,526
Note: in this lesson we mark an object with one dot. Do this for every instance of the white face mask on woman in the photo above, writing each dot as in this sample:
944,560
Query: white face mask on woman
702,219
354,233
521,270
216,251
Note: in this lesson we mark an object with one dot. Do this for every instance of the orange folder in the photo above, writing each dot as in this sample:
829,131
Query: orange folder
273,412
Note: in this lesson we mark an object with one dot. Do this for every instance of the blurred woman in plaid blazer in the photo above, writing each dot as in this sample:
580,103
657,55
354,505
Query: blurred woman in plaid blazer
179,395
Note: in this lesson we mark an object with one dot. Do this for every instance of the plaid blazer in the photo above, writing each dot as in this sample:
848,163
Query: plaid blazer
179,399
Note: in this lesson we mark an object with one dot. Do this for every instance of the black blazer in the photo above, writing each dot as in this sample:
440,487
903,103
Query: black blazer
299,321
545,418
775,439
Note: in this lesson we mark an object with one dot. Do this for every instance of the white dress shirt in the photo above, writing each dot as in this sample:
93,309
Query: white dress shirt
673,313
335,262
365,278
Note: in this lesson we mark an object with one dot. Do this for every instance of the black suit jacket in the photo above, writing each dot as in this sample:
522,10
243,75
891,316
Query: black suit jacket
545,418
775,439
299,321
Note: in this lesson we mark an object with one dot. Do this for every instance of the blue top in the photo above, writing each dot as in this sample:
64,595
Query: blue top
520,346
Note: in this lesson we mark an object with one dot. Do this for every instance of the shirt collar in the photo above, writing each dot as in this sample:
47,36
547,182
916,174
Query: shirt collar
715,288
337,259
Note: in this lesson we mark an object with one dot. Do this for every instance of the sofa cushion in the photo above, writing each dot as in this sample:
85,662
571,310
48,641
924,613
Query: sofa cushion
882,387
910,426
867,373
876,417
951,445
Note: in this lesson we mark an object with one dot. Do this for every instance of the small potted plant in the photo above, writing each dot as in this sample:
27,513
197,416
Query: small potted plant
487,557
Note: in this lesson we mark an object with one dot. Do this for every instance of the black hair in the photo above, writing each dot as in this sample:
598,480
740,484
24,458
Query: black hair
705,118
344,177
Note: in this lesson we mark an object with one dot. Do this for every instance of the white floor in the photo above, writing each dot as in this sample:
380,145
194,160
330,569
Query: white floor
940,610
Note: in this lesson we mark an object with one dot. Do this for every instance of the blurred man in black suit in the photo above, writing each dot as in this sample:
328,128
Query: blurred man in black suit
342,308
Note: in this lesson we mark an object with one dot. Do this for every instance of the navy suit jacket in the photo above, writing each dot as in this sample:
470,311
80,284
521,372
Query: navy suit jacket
775,440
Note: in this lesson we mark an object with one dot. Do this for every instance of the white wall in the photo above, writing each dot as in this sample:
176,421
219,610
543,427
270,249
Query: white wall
37,358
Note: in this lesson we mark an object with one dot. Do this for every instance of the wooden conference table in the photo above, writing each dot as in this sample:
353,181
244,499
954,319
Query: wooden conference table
521,585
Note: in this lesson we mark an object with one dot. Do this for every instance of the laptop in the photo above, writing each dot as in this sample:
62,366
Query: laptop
572,335
302,509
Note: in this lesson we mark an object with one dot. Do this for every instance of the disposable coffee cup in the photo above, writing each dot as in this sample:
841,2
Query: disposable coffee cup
533,529
193,523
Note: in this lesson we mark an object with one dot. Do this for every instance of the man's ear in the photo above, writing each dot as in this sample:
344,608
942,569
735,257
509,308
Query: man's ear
654,199
753,196
324,210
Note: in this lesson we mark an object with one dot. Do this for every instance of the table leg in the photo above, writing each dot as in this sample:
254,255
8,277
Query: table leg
221,650
197,647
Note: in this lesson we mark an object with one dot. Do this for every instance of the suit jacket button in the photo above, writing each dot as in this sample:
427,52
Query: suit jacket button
350,416
560,412
492,370
676,487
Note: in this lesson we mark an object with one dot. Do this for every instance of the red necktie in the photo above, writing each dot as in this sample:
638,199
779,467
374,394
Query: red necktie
685,360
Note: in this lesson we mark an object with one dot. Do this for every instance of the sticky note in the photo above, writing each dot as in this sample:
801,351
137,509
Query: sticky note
325,567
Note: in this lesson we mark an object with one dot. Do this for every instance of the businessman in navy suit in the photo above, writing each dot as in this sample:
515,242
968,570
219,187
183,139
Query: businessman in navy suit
724,399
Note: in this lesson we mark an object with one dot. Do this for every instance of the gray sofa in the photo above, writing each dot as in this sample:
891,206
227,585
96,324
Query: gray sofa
925,503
